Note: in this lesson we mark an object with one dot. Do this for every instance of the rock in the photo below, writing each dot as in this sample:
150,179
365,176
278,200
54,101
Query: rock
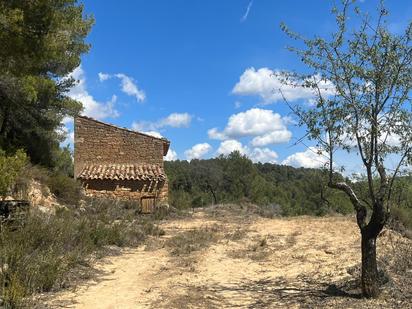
41,198
4,268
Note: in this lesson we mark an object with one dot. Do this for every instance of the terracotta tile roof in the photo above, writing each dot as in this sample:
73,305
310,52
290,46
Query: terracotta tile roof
123,172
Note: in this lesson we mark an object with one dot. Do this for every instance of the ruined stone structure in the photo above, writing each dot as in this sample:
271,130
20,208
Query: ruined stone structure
118,163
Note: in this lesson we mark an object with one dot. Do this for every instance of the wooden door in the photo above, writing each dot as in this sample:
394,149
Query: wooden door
148,204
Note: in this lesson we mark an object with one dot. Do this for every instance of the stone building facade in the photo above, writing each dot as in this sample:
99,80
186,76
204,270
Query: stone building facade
118,163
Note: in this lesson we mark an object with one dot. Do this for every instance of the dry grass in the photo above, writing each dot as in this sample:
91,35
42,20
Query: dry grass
210,261
195,297
262,247
197,239
236,235
51,252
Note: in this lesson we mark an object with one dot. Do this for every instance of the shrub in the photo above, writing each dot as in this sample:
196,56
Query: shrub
41,255
10,168
64,161
401,218
197,202
65,188
270,210
25,178
180,199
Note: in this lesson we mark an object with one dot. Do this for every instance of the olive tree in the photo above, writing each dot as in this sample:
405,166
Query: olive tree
361,77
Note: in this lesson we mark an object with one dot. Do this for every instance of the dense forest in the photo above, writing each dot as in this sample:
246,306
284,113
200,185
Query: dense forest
288,190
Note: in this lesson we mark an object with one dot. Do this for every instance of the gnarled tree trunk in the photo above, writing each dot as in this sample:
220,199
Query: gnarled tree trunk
370,279
369,234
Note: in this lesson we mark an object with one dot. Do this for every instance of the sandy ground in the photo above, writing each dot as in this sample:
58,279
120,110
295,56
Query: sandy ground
254,262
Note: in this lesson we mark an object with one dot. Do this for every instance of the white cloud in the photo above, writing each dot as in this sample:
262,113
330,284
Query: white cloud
228,146
264,125
311,158
174,120
249,6
274,137
391,139
67,120
103,76
70,138
267,83
171,155
198,151
289,120
138,126
152,133
68,135
130,88
263,155
128,84
215,134
257,154
92,107
387,138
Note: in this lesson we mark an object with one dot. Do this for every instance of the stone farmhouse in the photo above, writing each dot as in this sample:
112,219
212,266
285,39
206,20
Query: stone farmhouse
118,163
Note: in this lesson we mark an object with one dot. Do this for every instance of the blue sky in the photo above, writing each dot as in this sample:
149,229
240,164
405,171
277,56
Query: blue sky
199,72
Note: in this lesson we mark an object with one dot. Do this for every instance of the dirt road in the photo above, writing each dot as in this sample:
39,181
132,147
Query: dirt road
236,262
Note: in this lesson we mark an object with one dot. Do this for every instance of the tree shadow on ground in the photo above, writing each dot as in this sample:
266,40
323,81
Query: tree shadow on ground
304,292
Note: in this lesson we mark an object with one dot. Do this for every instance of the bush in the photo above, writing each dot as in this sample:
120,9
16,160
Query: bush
270,211
10,168
41,255
401,218
66,189
197,202
180,199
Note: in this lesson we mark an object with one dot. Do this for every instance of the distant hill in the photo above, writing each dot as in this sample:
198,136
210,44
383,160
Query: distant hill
292,191
234,178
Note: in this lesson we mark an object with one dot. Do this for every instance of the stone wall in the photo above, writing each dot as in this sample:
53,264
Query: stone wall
126,189
96,142
100,143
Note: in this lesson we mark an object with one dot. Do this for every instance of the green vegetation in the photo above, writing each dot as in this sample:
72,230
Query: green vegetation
276,189
41,43
43,254
66,189
234,178
10,168
369,66
402,215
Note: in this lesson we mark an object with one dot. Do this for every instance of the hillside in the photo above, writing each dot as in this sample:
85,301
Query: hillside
226,257
284,189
